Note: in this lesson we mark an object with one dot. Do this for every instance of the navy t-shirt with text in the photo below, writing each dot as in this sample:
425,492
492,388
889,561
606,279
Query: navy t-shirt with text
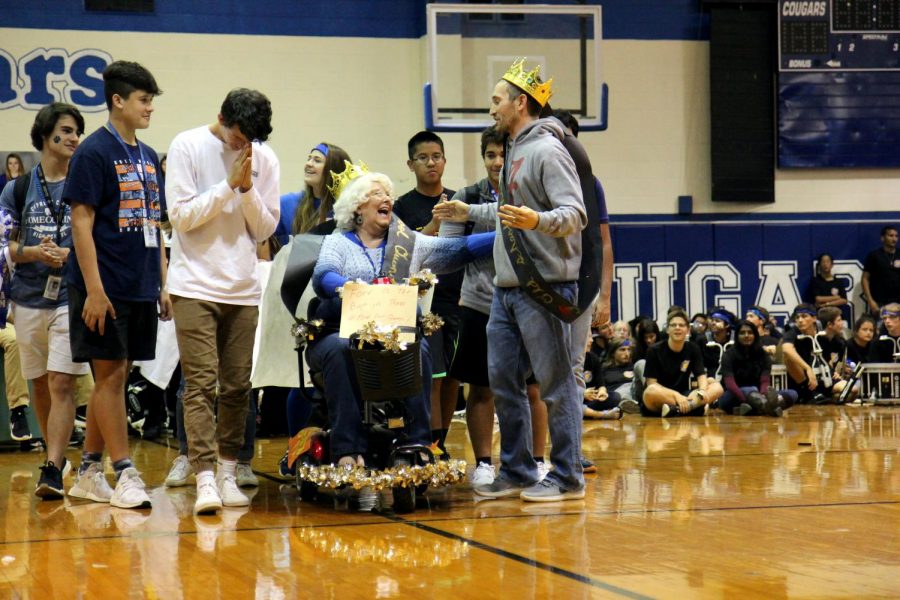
102,174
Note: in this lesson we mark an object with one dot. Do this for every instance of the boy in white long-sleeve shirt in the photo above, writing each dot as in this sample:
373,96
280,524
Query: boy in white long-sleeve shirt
224,191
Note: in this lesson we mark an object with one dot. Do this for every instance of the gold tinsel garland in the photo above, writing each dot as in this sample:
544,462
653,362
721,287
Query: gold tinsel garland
439,474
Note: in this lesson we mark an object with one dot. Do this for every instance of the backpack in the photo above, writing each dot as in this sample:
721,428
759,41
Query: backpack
20,188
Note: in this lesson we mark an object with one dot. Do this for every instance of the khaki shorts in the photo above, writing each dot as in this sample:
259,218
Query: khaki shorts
44,341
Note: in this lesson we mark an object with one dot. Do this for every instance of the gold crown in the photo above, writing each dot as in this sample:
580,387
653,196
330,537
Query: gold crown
340,180
529,81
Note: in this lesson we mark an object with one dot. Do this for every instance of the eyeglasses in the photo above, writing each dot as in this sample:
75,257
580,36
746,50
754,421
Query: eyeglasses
378,194
424,158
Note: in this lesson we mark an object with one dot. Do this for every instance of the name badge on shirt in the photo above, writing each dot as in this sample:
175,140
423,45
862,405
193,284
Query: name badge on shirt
150,238
51,290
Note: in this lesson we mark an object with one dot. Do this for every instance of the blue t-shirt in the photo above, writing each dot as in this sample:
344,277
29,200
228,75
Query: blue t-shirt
30,279
102,174
289,203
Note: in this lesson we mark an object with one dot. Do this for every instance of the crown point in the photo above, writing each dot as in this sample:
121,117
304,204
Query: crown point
529,82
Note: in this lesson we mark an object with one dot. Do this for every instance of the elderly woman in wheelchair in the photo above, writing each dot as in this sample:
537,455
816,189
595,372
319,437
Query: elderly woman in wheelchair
371,245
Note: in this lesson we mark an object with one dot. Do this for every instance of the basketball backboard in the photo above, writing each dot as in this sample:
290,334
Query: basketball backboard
471,46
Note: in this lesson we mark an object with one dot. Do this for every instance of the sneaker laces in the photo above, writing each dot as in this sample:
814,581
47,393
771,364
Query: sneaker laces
131,482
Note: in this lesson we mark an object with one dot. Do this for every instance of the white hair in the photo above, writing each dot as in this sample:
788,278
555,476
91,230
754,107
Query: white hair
354,195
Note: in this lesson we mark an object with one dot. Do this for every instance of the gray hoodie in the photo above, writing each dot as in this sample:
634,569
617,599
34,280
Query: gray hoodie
539,173
478,285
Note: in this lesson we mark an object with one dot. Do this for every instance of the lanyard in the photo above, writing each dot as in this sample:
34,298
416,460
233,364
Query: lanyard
57,212
376,272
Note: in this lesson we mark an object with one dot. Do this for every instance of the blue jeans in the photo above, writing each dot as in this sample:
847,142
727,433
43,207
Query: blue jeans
523,337
331,356
729,400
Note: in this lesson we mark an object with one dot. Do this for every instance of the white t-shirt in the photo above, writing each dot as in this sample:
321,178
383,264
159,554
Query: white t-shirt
215,229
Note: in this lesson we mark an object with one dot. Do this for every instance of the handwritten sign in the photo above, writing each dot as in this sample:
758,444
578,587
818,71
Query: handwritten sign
387,305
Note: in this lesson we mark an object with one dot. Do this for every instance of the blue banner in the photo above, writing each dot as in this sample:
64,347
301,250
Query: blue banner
735,264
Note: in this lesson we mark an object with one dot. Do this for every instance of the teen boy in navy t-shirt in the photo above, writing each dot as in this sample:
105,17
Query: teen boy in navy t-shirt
117,273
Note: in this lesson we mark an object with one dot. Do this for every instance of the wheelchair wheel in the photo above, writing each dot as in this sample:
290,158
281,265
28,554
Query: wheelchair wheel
404,497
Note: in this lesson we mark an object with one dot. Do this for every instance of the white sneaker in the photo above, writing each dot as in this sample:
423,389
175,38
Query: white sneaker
482,475
208,499
543,469
230,492
130,492
245,476
91,485
180,472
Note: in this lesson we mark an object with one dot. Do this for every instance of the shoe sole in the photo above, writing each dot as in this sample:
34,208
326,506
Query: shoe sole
555,498
141,504
591,469
208,509
248,483
73,493
46,492
511,493
237,503
177,482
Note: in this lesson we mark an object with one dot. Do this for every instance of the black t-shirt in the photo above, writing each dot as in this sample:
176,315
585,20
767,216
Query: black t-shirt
821,287
803,345
833,350
857,353
592,372
615,376
414,209
713,352
746,368
673,369
884,276
768,340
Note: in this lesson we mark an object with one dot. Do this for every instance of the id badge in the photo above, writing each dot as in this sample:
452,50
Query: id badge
150,238
51,290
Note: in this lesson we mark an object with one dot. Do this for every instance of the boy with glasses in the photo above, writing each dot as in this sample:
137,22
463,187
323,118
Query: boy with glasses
668,372
427,161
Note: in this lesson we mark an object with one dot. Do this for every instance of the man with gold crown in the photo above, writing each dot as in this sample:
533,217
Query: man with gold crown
537,255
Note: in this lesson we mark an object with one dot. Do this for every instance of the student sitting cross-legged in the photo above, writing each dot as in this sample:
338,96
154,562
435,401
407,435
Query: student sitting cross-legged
668,372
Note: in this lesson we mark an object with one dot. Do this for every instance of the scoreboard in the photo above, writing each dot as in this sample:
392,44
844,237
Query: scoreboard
839,35
838,99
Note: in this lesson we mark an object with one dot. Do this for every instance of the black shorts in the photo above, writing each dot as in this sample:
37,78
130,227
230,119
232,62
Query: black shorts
470,364
130,336
442,343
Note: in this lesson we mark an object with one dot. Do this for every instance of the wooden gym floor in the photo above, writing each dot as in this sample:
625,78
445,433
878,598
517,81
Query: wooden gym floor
807,506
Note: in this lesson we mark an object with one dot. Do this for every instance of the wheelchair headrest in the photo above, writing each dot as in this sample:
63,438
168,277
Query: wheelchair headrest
299,269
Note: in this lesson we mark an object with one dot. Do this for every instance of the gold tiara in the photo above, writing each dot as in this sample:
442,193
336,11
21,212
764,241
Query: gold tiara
529,81
340,180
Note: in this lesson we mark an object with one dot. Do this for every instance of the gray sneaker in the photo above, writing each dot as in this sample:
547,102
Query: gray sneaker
548,491
499,488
